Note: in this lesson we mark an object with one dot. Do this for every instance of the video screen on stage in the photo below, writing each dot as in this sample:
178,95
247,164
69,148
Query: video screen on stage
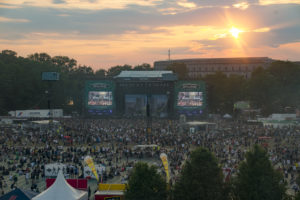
190,99
100,98
135,104
159,105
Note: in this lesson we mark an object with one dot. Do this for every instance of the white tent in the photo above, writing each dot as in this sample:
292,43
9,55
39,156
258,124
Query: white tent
61,190
227,116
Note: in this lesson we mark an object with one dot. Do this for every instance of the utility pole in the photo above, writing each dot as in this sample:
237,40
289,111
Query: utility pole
169,54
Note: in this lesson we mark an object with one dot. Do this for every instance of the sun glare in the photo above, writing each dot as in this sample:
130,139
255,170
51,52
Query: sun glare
235,32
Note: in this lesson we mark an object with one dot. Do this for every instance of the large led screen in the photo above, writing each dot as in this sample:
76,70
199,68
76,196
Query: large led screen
190,99
159,105
100,98
135,104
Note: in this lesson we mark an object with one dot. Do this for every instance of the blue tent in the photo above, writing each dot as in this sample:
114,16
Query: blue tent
18,194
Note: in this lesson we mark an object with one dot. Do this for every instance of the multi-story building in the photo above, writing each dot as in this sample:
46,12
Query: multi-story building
200,67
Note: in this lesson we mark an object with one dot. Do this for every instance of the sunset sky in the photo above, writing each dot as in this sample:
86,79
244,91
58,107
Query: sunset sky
104,33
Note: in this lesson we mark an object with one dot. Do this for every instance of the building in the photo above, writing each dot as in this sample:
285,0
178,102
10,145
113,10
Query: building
200,67
297,62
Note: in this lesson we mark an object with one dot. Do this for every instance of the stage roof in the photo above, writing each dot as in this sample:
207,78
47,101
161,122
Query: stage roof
143,74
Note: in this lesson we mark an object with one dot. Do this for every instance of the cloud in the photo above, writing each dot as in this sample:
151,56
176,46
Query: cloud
222,3
85,4
131,20
269,2
258,38
128,31
5,19
186,4
8,6
58,1
261,30
242,5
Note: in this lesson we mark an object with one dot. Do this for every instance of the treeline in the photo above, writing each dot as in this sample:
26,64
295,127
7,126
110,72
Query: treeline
21,87
201,178
271,90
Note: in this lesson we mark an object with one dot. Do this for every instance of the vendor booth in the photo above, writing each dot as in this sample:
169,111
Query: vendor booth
196,126
110,192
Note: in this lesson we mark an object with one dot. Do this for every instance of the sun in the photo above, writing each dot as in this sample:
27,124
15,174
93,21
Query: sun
235,32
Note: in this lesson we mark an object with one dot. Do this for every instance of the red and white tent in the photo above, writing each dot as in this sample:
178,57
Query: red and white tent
61,190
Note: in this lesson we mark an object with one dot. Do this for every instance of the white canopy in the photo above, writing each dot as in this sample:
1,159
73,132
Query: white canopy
227,116
61,190
43,122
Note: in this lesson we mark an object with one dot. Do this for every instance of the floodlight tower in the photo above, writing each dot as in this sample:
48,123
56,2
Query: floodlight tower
50,77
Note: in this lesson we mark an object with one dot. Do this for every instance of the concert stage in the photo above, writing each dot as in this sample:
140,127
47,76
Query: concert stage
131,92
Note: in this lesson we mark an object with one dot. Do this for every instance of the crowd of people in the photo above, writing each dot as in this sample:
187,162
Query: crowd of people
25,150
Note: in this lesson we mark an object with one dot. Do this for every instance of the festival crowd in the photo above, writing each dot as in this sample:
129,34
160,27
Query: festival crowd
113,143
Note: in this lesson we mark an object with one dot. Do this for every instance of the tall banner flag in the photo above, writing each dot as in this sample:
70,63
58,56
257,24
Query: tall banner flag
164,160
89,161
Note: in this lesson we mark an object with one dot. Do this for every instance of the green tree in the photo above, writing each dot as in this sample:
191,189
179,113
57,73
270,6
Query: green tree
9,53
216,84
286,74
262,91
100,74
201,178
257,179
275,88
116,70
180,69
40,57
143,67
145,183
234,90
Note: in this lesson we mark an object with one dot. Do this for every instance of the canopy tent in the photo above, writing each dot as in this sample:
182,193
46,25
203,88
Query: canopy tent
18,194
44,122
227,116
61,190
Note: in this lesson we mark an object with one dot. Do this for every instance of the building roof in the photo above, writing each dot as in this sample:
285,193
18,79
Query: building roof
220,60
142,74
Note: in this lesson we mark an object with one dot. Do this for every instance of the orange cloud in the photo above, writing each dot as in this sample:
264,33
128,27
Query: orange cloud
242,5
84,4
268,2
5,19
